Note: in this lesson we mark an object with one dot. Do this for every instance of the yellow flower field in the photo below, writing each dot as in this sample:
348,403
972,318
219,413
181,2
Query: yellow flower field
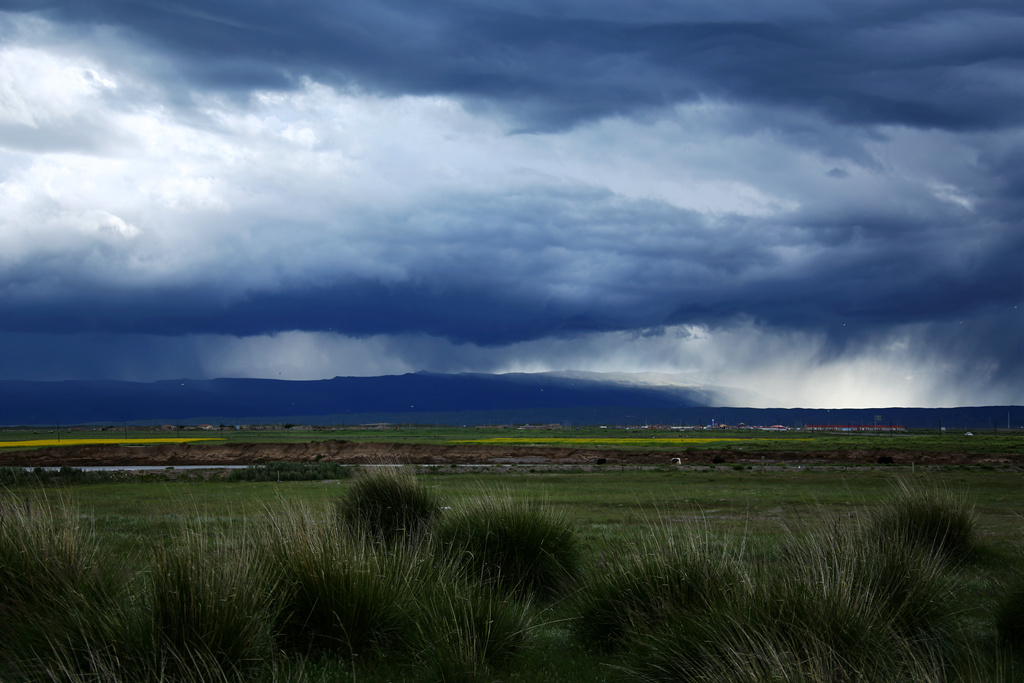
89,442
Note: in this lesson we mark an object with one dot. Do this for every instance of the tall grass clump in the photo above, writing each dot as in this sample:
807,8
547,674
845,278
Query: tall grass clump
663,575
214,605
464,630
61,596
821,607
389,504
1009,620
932,519
341,594
827,607
513,544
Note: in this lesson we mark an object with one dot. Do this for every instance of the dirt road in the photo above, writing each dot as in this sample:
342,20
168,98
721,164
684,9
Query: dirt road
350,452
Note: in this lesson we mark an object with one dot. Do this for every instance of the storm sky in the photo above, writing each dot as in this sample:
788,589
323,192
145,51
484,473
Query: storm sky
819,202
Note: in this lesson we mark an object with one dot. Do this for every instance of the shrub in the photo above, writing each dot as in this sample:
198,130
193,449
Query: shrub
212,605
341,594
60,595
389,504
1010,620
465,630
824,608
934,520
662,577
38,476
512,543
291,471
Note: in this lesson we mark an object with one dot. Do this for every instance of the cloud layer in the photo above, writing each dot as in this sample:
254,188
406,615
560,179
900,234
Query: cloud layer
811,202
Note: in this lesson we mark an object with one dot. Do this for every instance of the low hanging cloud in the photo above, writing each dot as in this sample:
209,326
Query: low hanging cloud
749,365
228,190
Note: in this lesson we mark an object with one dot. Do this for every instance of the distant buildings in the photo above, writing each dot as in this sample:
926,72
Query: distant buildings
846,429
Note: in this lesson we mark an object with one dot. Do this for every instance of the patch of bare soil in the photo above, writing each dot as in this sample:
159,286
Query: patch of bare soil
350,452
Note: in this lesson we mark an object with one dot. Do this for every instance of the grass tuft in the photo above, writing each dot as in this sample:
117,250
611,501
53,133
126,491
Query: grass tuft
932,519
683,606
341,594
60,595
660,576
465,631
1009,618
212,604
389,504
514,544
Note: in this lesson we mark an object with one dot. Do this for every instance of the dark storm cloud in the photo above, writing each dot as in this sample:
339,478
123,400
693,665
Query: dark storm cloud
947,65
509,177
562,264
99,355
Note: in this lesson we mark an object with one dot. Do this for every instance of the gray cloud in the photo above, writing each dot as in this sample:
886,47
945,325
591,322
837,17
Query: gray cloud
511,185
949,66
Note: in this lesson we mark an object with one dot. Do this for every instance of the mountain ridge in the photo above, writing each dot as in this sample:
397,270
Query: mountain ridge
425,398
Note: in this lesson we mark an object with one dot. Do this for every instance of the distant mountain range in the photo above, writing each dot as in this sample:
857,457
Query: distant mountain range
427,398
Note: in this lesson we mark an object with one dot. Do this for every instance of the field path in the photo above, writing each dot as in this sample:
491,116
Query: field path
352,452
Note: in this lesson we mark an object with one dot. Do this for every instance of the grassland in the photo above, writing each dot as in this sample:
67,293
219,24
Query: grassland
42,443
757,519
603,503
631,442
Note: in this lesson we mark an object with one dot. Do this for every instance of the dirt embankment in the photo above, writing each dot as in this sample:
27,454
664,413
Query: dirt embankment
351,452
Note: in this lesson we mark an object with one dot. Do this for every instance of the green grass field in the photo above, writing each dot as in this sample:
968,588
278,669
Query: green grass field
597,501
756,513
